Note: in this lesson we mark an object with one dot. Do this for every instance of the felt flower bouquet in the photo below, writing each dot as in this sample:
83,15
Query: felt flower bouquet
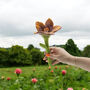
46,30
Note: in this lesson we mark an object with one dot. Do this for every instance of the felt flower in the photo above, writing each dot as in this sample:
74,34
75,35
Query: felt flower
48,28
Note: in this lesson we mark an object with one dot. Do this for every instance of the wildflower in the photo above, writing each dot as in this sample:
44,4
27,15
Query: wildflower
55,67
48,28
49,68
34,70
2,77
34,80
52,71
8,78
84,89
63,72
18,71
60,68
70,89
66,67
61,89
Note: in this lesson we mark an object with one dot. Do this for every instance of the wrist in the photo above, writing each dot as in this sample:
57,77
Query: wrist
71,60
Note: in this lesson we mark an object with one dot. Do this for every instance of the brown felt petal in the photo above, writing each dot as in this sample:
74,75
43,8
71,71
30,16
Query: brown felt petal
40,26
49,23
35,32
56,28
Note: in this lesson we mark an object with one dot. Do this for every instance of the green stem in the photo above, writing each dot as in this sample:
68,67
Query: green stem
46,40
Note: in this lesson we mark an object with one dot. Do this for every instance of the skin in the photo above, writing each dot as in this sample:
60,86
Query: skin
58,55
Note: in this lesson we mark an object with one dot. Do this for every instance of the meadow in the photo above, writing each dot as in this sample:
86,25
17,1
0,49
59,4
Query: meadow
46,78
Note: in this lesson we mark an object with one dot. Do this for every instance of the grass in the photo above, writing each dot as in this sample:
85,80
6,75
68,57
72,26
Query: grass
75,78
26,71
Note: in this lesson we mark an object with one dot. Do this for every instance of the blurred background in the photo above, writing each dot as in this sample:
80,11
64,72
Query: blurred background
17,26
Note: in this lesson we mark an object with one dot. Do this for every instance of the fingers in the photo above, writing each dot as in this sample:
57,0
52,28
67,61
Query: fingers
53,56
52,50
45,58
55,62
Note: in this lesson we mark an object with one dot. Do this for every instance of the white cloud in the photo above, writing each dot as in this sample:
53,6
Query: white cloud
18,17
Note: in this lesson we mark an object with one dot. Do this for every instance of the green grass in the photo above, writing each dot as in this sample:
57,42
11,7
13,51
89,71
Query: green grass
26,71
75,78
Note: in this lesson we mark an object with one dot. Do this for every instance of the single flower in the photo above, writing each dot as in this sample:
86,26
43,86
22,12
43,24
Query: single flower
60,68
33,69
8,78
52,71
2,77
34,80
64,72
66,66
18,71
48,28
70,89
55,67
49,67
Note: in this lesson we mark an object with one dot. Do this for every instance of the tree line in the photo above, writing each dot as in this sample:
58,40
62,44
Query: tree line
20,56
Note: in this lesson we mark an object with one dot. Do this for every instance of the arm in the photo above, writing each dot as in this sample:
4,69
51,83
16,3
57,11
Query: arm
61,55
81,62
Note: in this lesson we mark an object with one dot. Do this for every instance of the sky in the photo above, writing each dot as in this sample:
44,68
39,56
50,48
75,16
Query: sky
18,17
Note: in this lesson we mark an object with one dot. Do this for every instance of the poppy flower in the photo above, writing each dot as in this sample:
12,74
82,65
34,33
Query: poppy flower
48,28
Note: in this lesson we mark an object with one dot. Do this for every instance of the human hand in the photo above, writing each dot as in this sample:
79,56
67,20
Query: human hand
57,55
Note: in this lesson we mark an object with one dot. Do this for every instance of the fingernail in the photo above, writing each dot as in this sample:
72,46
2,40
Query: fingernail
48,55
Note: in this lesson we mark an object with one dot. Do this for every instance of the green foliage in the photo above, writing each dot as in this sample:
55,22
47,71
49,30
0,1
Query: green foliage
86,51
3,56
30,47
72,48
19,56
37,56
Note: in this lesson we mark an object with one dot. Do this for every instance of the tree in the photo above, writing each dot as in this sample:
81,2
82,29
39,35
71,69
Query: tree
86,51
30,47
4,54
19,56
72,48
37,56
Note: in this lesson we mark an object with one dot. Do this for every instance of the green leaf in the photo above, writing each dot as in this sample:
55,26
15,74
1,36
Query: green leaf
42,45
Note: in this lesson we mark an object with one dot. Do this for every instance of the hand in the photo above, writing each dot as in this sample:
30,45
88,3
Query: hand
57,55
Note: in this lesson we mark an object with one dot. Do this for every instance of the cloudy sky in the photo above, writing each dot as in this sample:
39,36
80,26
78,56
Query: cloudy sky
18,17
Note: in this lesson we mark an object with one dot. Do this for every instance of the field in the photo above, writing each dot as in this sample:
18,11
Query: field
46,78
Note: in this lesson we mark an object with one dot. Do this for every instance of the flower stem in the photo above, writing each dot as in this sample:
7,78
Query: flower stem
46,40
